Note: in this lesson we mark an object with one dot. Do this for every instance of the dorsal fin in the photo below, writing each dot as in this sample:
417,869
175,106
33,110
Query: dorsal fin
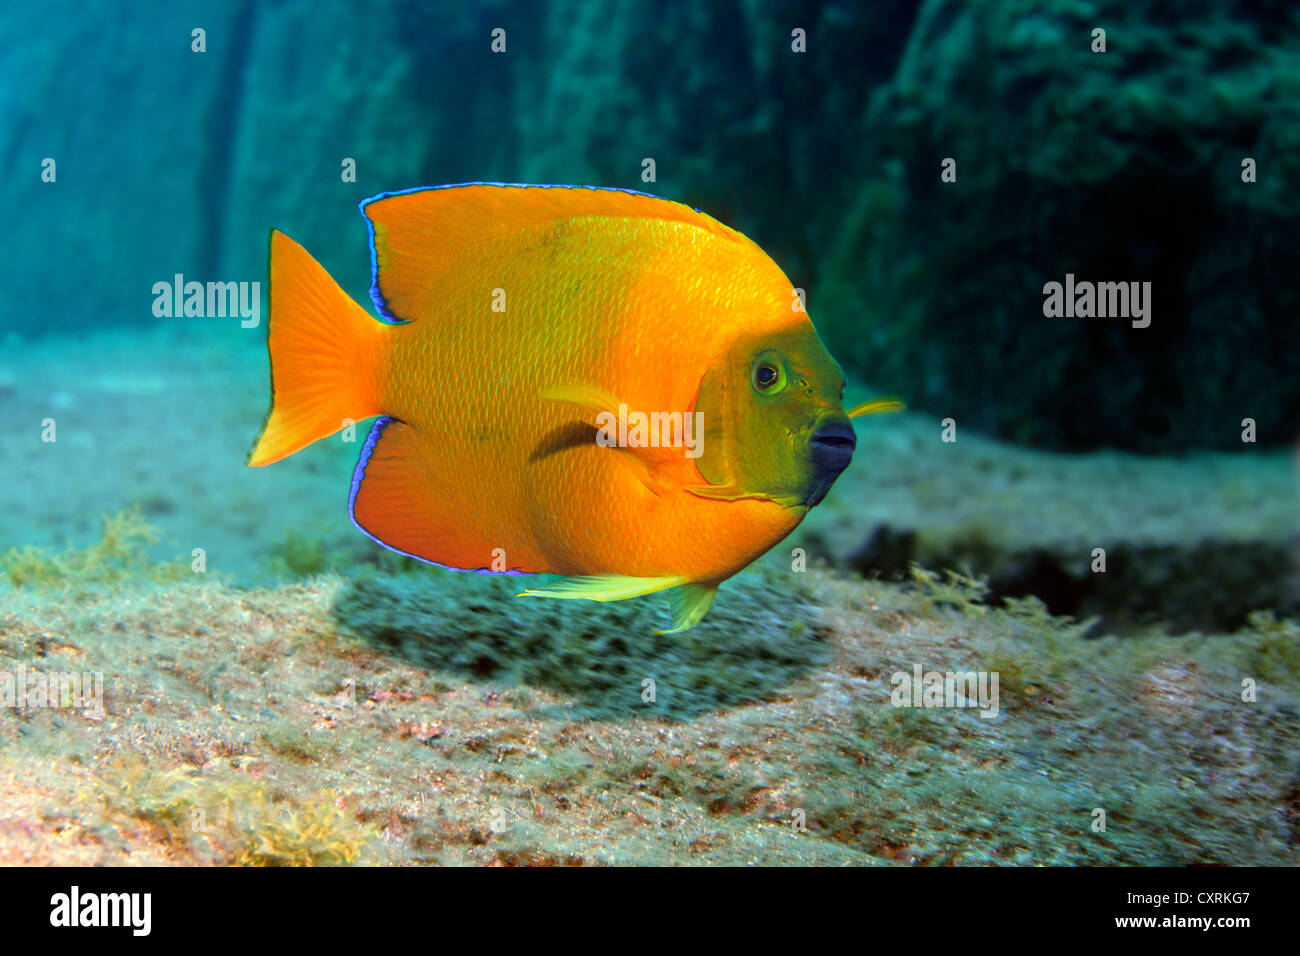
416,234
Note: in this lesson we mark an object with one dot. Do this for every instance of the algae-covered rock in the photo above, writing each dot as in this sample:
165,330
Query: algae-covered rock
759,636
338,104
1197,542
1118,166
253,727
817,128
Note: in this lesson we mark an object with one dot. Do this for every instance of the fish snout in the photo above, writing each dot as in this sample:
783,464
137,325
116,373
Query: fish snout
832,448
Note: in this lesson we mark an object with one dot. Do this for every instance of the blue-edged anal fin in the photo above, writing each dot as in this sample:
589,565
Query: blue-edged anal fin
690,600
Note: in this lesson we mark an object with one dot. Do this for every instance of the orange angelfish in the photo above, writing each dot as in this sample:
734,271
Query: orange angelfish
595,383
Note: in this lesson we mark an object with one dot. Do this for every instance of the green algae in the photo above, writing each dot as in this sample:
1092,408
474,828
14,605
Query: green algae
317,834
121,554
232,819
957,589
300,555
756,640
242,708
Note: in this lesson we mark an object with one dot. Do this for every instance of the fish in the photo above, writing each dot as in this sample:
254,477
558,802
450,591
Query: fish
588,382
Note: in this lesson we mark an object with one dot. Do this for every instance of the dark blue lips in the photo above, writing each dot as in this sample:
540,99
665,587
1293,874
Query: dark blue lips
832,449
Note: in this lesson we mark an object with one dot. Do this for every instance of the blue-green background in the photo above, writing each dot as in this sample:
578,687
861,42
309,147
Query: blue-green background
1117,166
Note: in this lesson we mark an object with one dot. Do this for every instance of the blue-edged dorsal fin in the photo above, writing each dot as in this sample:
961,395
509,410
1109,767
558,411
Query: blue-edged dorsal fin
417,235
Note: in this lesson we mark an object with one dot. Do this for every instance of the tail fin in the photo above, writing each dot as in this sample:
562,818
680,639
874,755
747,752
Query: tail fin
325,355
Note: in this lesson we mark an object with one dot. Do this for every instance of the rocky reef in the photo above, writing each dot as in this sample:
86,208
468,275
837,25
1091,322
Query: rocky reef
1123,165
432,718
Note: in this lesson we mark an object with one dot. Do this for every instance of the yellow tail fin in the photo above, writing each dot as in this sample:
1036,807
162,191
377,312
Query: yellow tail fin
325,355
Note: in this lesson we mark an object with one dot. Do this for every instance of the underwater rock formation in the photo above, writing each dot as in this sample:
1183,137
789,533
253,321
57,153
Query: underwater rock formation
1117,166
125,126
1196,543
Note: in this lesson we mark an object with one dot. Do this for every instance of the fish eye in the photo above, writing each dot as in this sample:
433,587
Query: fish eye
767,375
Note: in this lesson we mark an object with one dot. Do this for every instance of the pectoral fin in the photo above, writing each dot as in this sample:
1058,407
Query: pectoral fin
690,602
877,406
597,401
590,397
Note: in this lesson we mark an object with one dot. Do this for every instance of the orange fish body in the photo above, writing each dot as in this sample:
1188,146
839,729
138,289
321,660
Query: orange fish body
525,313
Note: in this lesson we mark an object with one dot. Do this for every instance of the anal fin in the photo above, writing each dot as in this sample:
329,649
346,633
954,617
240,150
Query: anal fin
398,503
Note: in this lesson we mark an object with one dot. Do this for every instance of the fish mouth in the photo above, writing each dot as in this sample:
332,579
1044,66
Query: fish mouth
831,449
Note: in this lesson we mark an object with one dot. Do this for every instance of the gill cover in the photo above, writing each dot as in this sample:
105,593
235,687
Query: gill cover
758,425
